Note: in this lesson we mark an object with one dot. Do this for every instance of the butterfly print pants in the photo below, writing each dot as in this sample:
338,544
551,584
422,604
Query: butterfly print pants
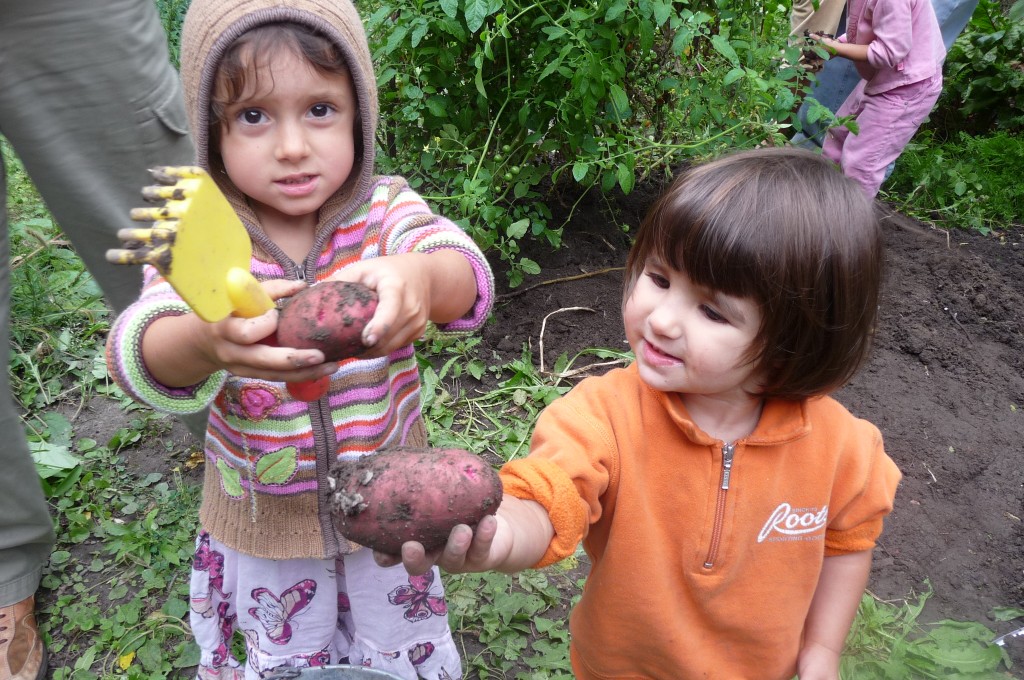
309,612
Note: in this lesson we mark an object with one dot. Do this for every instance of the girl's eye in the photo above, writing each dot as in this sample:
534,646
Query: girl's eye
658,280
320,110
251,116
712,315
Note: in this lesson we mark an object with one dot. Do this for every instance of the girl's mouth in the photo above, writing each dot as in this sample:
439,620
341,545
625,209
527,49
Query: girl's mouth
655,357
297,185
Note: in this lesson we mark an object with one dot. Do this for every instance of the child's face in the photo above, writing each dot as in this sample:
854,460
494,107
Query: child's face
690,339
288,143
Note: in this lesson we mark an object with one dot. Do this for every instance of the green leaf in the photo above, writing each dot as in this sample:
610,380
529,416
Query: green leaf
662,12
529,266
619,100
175,608
554,32
732,76
277,467
476,14
450,8
579,170
626,177
518,229
725,48
231,479
52,461
616,10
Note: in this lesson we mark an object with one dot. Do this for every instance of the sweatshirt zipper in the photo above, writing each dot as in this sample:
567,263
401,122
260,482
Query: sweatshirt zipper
322,427
723,489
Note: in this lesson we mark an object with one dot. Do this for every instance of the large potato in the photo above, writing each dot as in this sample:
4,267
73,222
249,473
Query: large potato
330,317
411,494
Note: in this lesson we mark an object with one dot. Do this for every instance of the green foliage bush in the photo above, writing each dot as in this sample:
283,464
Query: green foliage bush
984,73
490,103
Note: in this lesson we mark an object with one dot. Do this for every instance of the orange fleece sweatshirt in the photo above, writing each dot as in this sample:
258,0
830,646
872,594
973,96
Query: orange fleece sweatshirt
698,572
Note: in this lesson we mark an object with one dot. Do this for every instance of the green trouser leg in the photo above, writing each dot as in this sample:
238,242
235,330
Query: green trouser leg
89,102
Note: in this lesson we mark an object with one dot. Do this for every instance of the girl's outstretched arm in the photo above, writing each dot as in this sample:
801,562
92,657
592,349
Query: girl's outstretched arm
512,540
184,350
840,588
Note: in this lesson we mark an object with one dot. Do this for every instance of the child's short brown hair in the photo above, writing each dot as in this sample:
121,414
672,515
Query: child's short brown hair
785,228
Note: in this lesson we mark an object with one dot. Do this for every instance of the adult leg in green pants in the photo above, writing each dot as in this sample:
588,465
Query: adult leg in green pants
89,101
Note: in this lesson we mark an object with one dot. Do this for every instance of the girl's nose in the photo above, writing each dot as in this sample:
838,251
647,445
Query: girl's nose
291,142
665,320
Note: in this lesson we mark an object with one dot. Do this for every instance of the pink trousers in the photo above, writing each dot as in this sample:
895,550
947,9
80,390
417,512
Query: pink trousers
887,122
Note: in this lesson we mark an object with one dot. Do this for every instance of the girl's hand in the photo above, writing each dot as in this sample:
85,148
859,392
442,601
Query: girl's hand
184,350
248,347
466,551
412,288
513,539
826,41
817,662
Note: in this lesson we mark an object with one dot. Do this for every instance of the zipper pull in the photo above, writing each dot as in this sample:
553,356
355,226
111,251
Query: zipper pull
727,452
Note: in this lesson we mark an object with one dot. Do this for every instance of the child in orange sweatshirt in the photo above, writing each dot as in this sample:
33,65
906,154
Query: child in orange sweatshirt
728,505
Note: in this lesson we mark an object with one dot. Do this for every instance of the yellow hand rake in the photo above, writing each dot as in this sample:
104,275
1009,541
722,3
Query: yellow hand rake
202,248
198,244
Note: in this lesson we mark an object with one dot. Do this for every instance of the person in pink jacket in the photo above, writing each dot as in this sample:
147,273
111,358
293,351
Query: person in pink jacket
897,48
728,505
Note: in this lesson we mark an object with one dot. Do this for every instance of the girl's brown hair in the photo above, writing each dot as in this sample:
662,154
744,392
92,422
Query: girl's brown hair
239,62
784,228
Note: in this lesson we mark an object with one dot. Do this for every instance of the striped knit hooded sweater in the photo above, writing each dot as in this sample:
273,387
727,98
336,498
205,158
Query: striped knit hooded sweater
267,454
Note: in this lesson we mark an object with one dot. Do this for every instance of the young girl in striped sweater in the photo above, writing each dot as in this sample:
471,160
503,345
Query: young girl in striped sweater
283,106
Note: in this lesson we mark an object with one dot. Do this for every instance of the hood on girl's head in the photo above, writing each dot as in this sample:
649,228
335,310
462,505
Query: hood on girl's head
212,26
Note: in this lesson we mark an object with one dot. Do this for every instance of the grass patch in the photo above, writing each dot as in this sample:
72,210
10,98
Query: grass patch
972,181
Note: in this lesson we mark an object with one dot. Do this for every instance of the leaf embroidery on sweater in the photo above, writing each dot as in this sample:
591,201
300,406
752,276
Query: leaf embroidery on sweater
230,479
277,467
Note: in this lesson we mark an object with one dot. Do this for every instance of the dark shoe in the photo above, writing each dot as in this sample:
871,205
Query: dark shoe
22,654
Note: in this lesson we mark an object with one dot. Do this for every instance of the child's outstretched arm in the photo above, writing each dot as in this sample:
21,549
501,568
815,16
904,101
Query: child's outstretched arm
183,350
514,539
413,288
840,588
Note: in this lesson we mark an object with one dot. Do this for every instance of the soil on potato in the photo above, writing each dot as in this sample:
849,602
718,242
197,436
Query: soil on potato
945,384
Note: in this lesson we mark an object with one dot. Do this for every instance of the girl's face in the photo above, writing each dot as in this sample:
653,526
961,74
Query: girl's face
287,143
690,339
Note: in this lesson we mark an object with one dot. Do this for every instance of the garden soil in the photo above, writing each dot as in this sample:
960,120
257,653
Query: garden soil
945,384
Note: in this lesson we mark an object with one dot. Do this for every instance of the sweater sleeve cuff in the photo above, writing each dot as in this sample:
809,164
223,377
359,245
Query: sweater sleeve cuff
546,483
473,319
128,369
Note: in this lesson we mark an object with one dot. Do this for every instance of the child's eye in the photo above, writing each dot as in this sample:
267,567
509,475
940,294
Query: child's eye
320,110
658,280
250,116
712,315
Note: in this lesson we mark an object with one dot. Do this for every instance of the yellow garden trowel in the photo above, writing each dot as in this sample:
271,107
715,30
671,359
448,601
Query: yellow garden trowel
201,247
